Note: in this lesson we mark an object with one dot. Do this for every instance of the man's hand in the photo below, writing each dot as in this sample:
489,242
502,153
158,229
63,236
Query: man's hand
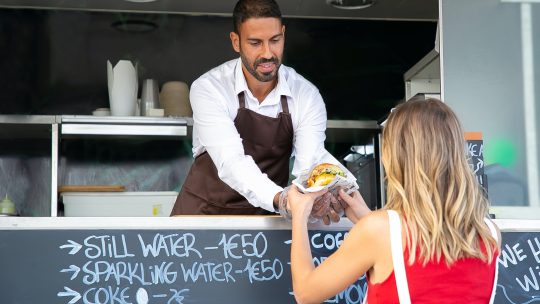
301,204
276,201
334,204
283,203
327,208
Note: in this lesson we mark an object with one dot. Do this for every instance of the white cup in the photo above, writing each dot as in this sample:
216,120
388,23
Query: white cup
149,96
174,99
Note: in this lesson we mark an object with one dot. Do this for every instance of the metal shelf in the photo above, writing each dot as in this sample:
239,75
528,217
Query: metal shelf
123,126
424,77
351,131
138,120
26,126
370,125
28,119
427,68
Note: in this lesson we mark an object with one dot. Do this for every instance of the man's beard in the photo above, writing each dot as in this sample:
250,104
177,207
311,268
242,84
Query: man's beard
252,68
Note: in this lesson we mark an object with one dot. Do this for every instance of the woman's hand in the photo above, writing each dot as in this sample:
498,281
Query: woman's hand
300,204
356,207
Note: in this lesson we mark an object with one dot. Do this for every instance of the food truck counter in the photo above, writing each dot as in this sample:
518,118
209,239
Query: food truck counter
196,259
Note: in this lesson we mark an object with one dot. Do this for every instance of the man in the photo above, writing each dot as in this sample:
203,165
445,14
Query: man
250,115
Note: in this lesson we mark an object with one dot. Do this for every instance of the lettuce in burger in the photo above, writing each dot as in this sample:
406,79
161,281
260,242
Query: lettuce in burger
323,174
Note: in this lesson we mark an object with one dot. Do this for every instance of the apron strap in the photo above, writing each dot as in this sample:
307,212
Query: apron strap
495,235
284,105
396,246
242,100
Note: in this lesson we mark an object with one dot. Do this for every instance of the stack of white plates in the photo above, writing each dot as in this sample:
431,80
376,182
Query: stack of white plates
102,112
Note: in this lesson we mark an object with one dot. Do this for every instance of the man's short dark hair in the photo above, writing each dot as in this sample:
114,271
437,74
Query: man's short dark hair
245,9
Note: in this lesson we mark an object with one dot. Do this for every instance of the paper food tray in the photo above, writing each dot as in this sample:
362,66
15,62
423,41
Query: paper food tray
346,183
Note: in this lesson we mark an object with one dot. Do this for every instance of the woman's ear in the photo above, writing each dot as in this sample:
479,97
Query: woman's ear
235,40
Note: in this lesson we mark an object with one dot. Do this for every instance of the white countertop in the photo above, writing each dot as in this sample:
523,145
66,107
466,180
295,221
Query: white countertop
200,222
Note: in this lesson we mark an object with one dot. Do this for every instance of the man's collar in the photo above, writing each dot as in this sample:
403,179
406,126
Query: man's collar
240,83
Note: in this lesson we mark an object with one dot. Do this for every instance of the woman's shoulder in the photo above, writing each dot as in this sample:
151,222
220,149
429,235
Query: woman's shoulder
371,234
377,217
374,224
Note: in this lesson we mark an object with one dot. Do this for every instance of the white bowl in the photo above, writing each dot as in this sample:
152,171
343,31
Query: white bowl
102,112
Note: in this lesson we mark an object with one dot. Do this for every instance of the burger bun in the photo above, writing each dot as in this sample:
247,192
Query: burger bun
323,174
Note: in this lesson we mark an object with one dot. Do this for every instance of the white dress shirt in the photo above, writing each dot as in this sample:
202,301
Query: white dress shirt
214,99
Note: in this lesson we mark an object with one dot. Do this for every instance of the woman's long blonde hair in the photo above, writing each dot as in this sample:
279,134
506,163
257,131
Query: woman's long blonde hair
431,184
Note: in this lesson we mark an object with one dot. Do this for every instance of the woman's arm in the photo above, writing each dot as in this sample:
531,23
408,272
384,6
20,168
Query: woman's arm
356,255
301,258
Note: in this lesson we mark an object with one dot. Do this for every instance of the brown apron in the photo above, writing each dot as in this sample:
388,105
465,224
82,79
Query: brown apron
267,140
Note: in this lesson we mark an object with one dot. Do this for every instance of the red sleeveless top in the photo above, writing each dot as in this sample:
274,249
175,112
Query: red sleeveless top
468,280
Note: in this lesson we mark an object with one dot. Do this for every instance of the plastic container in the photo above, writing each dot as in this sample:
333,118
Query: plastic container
155,203
7,207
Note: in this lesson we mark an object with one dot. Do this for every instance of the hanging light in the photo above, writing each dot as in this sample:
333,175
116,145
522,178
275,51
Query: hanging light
350,4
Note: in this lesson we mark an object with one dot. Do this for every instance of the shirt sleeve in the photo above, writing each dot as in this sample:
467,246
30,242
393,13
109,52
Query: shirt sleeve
218,134
309,135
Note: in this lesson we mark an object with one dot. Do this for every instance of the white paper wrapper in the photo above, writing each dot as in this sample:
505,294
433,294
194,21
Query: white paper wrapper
348,184
123,85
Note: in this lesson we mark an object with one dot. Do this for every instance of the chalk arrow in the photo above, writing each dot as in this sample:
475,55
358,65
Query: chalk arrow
73,268
70,293
75,247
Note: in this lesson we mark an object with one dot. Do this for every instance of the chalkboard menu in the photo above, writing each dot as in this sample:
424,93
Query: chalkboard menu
519,268
155,266
197,266
475,152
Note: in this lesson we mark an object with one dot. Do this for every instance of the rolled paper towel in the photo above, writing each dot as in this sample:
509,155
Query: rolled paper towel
123,86
174,99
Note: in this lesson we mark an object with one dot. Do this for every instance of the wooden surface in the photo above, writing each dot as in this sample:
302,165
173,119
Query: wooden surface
91,188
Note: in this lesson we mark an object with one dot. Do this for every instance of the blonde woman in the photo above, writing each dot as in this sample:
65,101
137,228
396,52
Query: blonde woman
431,243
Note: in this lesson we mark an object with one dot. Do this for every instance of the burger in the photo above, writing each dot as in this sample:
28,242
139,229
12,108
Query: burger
323,174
